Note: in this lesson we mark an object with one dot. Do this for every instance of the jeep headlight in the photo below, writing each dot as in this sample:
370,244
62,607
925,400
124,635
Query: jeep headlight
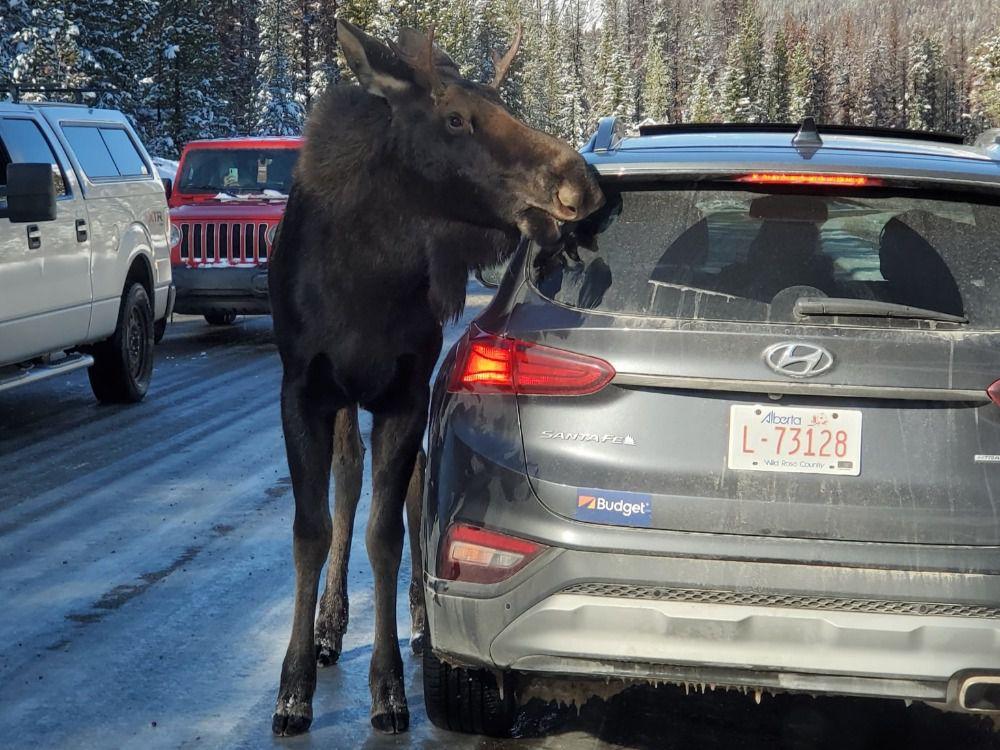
272,230
175,235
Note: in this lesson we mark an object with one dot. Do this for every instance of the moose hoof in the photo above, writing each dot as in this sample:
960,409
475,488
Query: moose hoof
418,643
326,655
392,721
291,717
289,725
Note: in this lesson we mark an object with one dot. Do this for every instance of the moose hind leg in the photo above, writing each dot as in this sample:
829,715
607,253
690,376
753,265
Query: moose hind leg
414,509
308,442
348,467
395,443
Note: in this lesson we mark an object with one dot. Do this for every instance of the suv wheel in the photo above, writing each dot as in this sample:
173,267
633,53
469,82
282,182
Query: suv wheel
467,700
123,364
220,318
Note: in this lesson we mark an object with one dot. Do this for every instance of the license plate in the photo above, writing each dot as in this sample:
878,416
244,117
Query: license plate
800,441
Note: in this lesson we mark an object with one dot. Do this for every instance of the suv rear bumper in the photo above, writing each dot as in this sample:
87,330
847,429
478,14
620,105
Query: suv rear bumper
644,623
221,289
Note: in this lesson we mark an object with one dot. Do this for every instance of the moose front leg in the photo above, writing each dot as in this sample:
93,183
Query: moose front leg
414,503
348,467
308,442
395,444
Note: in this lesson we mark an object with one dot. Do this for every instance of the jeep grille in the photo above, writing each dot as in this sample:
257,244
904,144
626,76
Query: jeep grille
214,242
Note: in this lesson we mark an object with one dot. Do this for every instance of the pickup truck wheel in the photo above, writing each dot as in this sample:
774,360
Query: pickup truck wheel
123,364
159,330
220,318
467,700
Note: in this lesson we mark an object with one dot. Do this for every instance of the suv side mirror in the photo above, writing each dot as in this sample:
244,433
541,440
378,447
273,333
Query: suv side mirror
491,276
168,186
31,193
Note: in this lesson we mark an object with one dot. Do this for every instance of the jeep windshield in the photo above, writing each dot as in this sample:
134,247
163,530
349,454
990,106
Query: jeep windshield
263,172
805,256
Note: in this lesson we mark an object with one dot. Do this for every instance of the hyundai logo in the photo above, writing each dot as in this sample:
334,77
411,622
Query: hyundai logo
798,360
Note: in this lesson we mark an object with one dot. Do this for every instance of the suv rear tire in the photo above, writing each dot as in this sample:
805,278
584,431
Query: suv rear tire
220,318
123,364
467,700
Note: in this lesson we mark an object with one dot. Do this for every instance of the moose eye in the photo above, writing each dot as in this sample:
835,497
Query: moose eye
456,122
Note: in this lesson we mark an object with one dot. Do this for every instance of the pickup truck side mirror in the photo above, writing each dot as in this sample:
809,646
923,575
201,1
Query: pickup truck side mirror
168,186
31,193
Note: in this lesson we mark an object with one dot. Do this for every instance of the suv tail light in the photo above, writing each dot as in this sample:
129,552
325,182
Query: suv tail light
486,363
810,178
476,555
994,393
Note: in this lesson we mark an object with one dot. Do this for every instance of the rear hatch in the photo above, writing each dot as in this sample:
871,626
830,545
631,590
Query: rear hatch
792,361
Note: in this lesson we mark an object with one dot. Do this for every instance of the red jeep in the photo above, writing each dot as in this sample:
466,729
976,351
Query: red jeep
226,201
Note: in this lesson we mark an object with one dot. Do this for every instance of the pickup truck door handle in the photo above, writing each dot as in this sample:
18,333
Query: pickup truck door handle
34,237
81,230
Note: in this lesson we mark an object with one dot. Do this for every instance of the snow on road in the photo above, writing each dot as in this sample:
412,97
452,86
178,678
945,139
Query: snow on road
146,582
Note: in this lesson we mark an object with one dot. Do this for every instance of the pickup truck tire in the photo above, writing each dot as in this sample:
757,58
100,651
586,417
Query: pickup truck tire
220,318
467,700
123,364
159,330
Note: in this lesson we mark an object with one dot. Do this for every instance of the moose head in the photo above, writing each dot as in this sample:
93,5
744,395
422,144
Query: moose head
477,162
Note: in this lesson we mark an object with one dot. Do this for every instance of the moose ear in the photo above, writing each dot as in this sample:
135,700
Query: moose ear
378,69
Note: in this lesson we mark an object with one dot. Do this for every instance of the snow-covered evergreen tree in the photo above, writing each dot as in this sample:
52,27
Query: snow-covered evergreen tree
985,106
657,87
182,97
778,79
47,49
875,104
573,121
237,24
614,75
800,81
741,84
13,19
456,34
926,76
820,82
278,111
702,102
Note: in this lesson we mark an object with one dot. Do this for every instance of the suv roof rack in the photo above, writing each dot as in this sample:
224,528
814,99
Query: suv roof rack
787,127
15,90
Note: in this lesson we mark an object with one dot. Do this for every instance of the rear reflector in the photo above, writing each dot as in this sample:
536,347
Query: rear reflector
994,393
476,555
810,178
485,363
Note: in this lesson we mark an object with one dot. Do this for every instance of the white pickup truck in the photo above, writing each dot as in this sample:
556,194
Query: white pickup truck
85,276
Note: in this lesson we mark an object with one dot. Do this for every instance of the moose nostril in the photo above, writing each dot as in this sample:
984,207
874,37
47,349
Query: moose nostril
568,198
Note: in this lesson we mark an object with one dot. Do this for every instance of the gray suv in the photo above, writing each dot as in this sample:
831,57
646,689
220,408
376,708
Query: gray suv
741,428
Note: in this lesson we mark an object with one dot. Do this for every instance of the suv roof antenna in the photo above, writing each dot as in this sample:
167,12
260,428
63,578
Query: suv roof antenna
807,141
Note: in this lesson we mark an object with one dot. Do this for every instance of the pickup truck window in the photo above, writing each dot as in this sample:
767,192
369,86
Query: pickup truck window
25,143
105,152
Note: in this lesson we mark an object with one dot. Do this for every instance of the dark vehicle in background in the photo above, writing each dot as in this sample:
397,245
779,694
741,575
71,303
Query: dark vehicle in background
741,430
227,199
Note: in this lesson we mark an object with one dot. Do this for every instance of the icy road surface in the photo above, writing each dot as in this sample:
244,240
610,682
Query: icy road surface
146,584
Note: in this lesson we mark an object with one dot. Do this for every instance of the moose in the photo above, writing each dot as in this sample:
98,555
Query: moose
405,183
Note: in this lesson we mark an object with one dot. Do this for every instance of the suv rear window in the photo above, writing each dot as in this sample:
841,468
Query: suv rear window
722,253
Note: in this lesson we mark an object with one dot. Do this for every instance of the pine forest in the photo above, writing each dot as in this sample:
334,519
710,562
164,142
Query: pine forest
186,69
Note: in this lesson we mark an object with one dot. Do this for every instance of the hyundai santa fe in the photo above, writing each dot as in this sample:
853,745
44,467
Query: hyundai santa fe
741,427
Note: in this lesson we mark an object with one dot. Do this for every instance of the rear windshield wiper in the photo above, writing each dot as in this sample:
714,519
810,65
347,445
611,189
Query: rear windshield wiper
869,308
